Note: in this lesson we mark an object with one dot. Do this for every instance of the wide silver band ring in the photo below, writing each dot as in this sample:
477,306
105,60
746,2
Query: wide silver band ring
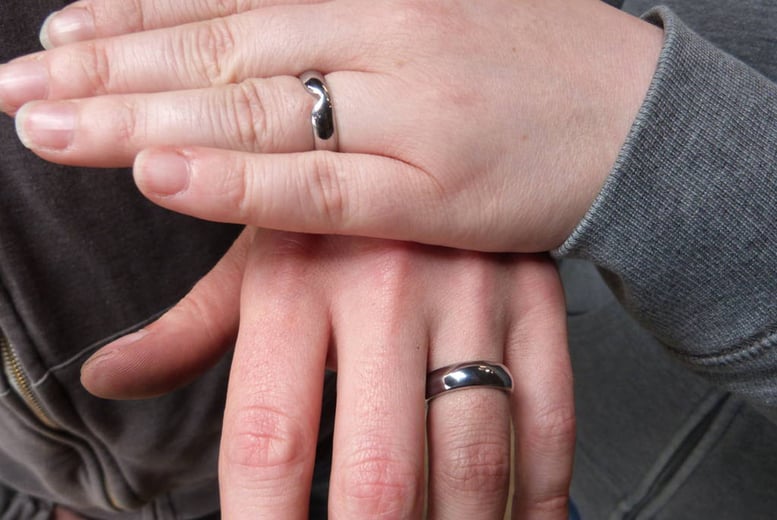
468,375
322,117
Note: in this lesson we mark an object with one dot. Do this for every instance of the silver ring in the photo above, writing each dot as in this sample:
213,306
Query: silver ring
322,117
468,375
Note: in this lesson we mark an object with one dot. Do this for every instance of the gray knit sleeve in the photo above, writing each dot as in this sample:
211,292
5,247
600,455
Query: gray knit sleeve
685,227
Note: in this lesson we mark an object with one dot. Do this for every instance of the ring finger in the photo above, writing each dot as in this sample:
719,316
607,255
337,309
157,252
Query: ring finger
469,430
257,115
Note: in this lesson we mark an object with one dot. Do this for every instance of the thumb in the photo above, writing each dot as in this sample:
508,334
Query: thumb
182,344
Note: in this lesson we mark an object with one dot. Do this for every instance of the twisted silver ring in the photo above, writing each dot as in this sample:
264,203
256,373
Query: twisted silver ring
322,117
468,375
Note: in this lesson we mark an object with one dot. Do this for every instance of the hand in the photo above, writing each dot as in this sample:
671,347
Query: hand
60,513
487,125
387,310
544,466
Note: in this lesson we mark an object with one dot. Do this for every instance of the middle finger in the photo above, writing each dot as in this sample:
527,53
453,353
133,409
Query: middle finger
283,40
377,467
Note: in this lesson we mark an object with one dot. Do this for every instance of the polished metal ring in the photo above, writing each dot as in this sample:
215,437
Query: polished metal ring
468,375
322,117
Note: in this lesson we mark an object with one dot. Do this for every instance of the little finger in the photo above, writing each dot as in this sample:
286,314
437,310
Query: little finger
543,404
313,192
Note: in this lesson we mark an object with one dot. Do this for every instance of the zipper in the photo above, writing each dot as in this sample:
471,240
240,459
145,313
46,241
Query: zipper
21,383
681,455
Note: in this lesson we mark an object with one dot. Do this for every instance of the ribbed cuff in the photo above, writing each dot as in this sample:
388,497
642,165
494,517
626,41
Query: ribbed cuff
685,227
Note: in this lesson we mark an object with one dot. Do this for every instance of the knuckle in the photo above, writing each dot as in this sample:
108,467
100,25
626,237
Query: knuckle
391,265
214,45
388,272
429,19
236,188
97,68
266,443
120,17
244,5
136,13
549,505
377,483
127,121
553,430
226,7
423,12
326,190
481,279
230,7
253,130
478,464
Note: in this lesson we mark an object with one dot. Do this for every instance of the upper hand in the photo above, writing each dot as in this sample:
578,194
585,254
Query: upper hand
487,125
382,313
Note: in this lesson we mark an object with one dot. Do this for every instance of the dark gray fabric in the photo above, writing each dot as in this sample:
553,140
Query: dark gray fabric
14,505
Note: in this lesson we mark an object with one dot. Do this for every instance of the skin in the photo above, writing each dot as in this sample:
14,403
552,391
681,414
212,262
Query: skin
508,161
181,86
385,308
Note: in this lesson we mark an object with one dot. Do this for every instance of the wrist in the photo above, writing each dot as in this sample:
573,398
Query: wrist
626,51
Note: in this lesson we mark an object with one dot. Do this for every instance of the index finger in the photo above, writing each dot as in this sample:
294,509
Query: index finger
273,404
90,19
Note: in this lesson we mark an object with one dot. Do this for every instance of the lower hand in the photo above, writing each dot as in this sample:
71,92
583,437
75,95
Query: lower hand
382,313
60,513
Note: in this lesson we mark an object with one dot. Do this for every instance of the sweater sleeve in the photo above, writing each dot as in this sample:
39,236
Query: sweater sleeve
685,228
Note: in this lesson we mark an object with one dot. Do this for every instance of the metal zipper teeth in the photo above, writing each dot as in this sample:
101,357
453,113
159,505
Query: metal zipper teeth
20,383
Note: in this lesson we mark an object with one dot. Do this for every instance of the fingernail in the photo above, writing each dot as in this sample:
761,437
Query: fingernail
162,173
21,83
113,348
69,25
46,125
